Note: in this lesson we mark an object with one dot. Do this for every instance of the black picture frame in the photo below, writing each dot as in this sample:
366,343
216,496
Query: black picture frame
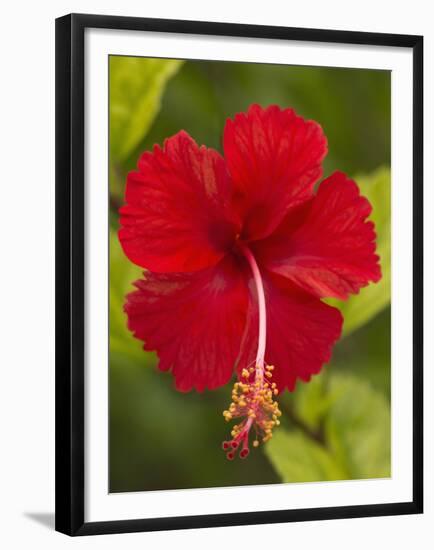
70,264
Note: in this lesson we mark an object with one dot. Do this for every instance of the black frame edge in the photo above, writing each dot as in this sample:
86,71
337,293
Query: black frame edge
246,518
63,277
69,431
245,30
70,233
418,274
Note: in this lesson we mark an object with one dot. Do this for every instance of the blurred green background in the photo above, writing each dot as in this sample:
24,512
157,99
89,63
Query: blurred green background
338,425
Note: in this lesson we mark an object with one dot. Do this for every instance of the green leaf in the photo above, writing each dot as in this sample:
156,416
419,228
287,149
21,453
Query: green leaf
300,459
311,400
361,308
136,88
355,425
122,275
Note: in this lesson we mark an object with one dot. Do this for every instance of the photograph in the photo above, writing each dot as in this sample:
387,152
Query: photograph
249,274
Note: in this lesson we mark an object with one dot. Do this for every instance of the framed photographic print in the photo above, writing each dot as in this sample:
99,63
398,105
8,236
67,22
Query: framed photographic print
238,274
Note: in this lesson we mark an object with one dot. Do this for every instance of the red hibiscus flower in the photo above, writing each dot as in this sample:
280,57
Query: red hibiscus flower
238,253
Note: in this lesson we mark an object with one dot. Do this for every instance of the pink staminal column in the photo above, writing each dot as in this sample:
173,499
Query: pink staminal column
252,395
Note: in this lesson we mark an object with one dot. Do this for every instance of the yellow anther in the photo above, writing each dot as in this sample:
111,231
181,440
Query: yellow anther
253,405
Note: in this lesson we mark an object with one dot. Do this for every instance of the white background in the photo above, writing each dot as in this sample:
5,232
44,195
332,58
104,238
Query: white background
27,274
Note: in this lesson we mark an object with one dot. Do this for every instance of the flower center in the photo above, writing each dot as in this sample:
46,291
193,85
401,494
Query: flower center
252,396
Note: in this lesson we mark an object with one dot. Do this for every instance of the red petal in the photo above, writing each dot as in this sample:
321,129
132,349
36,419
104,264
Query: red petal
301,332
194,322
274,157
329,250
177,214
